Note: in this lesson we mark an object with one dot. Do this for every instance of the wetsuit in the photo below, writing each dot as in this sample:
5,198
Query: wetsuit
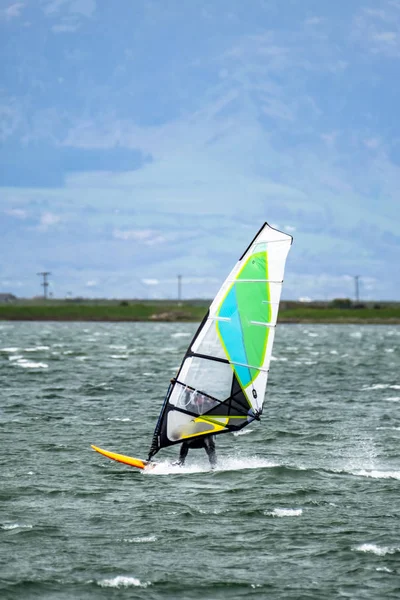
208,443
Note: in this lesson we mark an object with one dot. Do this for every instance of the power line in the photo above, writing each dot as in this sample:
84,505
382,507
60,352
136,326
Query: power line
45,283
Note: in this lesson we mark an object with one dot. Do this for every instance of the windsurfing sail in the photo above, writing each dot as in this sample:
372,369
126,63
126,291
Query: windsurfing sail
221,383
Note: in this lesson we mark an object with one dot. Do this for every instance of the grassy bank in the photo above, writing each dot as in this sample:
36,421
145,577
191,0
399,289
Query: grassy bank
340,315
107,311
103,310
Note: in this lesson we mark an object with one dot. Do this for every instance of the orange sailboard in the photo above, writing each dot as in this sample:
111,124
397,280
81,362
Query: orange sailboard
126,460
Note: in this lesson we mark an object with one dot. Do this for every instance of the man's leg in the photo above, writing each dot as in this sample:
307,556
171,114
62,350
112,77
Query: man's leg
209,445
183,454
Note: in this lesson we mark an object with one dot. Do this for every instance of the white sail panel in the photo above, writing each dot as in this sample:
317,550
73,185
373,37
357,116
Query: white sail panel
208,343
209,376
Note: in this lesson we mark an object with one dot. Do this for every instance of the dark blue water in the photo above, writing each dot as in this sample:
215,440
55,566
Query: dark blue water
304,504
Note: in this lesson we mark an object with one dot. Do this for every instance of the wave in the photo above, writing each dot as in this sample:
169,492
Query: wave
147,539
122,581
15,357
37,348
284,512
388,428
360,472
10,526
375,549
380,386
375,474
180,334
229,464
30,364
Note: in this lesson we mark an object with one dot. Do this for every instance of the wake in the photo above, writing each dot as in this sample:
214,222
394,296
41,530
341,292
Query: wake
228,464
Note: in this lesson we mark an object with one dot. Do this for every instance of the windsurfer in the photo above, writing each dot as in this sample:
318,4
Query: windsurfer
207,442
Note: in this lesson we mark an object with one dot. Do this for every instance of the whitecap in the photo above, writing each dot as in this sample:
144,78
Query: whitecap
393,399
374,474
141,540
123,581
229,464
164,350
15,357
119,356
375,549
376,386
384,569
242,432
37,348
284,512
394,387
9,526
118,347
180,334
214,511
123,420
9,349
30,364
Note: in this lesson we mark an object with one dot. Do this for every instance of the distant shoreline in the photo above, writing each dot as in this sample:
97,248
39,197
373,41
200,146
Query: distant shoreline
280,321
118,311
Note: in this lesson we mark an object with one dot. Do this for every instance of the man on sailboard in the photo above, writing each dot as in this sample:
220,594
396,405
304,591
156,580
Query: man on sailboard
197,402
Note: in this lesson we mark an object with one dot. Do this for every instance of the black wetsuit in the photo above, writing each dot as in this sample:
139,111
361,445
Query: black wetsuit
208,443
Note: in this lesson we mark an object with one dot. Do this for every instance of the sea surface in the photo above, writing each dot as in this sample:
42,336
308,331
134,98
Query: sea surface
303,505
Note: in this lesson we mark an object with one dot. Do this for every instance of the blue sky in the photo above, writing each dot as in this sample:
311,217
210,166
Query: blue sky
149,138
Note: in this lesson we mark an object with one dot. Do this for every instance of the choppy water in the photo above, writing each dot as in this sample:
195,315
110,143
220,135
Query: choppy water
303,505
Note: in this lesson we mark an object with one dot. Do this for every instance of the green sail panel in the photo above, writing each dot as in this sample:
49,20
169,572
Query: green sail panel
246,305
